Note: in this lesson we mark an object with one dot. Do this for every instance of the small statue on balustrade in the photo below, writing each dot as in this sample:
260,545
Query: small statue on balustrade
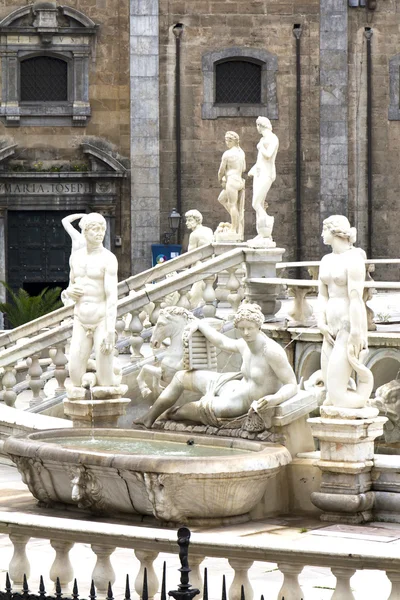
342,317
265,380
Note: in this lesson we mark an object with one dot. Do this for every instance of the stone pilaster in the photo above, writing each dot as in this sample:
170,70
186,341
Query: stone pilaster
346,439
333,108
145,137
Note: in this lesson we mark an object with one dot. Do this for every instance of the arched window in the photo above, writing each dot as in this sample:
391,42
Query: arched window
43,79
237,82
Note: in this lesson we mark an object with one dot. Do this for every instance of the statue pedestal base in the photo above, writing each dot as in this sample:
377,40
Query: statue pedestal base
103,409
261,263
346,439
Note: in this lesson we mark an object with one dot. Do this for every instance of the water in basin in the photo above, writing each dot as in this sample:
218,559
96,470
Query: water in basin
121,445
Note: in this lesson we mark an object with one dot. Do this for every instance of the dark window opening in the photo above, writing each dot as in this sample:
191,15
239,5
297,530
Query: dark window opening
44,79
238,82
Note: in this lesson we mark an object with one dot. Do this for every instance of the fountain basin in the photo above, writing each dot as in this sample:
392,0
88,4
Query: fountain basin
200,479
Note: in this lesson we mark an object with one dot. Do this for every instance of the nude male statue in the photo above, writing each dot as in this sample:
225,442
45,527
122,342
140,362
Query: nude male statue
264,174
231,169
93,287
200,236
266,378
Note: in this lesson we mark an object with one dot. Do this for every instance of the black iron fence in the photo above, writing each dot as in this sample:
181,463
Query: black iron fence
184,592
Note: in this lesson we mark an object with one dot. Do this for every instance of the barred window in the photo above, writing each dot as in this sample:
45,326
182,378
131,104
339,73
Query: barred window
238,82
44,79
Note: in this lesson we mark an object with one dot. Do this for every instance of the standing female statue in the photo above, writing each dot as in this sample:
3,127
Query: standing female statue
264,175
343,318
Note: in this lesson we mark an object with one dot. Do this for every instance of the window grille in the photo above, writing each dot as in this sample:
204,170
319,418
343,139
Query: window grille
238,82
44,79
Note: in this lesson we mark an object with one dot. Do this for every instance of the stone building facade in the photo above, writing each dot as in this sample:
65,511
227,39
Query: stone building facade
64,132
332,38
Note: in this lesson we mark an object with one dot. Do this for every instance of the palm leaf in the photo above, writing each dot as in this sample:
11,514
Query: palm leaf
24,308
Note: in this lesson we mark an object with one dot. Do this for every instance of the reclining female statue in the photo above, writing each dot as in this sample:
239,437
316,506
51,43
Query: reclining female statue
266,378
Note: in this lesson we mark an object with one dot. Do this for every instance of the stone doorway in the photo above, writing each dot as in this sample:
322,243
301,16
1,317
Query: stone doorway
38,250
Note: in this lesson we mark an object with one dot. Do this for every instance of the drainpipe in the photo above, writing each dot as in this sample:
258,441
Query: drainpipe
368,34
297,33
177,30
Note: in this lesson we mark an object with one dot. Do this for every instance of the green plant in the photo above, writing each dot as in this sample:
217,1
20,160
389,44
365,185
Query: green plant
382,317
55,168
79,167
24,307
38,166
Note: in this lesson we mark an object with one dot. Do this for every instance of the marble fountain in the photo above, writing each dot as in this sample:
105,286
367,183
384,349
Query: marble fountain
166,475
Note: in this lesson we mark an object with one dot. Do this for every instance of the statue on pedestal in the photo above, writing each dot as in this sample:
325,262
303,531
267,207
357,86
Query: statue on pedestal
230,176
264,174
266,378
342,317
93,287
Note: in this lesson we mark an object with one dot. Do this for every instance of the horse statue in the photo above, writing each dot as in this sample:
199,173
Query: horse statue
170,324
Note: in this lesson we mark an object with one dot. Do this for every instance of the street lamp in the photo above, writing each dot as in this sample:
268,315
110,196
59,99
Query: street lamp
174,221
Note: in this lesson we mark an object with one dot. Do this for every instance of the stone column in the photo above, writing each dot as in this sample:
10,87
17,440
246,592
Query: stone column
2,261
347,452
145,137
333,108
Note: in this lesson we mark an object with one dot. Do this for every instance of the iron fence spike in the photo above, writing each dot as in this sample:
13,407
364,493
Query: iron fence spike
42,589
164,583
127,588
25,588
75,591
92,593
109,592
8,583
205,585
58,588
242,596
145,592
223,597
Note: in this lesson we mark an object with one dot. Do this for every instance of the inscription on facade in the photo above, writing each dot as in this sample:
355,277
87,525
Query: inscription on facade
45,188
57,39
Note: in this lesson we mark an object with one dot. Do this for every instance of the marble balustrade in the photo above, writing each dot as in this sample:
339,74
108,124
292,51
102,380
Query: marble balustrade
291,557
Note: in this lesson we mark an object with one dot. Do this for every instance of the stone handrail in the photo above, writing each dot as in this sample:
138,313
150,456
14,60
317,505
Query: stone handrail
291,556
124,287
137,300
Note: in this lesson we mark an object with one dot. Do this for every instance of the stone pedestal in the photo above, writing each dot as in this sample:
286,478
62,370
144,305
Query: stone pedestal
347,450
261,263
103,409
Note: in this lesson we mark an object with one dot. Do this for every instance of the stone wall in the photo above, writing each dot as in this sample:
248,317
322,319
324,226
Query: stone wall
268,25
109,101
385,25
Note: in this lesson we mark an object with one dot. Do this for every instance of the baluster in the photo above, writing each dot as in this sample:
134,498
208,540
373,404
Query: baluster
184,301
146,562
209,297
234,297
155,313
60,373
221,291
343,589
196,580
7,383
290,589
394,578
103,571
35,382
136,340
119,328
19,564
240,579
62,567
301,312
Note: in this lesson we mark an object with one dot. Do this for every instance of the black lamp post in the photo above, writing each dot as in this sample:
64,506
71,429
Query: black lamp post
174,220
